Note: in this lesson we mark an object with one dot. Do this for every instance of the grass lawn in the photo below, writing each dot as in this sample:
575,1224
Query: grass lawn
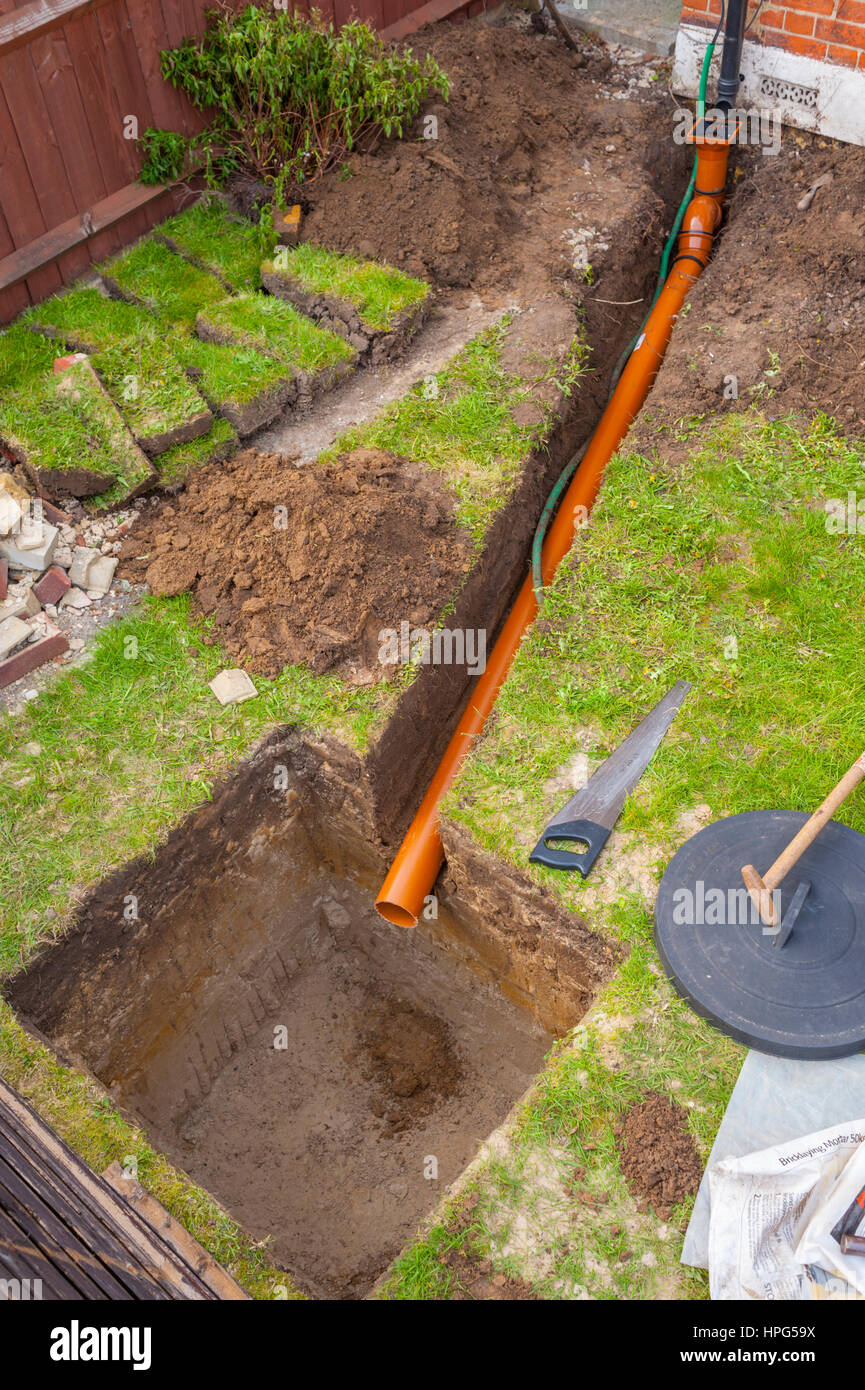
720,571
231,374
145,364
227,375
710,560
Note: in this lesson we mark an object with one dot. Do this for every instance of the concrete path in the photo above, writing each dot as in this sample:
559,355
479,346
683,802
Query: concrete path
647,25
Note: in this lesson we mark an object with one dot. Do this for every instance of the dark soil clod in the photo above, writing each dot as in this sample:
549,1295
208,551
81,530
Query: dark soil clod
657,1153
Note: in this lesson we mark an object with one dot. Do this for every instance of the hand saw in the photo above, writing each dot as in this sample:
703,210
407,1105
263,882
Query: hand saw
589,816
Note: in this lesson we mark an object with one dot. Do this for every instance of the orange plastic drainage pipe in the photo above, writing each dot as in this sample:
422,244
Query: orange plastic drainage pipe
420,855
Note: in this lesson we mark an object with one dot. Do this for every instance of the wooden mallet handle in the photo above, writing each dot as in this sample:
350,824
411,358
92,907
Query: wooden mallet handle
761,889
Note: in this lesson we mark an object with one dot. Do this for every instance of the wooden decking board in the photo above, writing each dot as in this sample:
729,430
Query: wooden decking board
63,1192
62,1223
63,1185
212,1274
52,1232
20,1259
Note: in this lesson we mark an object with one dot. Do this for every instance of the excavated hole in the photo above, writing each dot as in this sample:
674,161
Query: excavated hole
322,1073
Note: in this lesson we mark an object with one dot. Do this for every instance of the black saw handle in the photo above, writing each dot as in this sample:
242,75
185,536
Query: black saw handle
595,836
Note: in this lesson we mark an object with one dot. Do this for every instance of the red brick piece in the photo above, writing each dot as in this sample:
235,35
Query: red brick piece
54,514
4,579
30,657
52,585
62,364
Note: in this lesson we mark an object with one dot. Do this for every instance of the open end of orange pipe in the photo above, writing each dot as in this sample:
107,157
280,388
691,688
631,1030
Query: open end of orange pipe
393,913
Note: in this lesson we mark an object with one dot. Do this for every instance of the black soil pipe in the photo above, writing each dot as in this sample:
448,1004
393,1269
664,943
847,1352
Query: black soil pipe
731,58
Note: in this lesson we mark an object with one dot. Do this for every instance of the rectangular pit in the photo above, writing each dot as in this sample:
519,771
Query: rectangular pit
322,1073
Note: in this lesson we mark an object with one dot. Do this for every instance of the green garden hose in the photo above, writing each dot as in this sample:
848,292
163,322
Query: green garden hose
571,467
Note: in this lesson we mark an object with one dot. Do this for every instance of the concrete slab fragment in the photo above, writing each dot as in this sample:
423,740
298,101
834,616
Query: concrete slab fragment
232,686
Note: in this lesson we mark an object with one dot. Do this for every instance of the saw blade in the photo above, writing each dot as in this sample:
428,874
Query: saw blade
602,798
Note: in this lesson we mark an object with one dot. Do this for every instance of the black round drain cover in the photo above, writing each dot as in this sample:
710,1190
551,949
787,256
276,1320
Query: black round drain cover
805,999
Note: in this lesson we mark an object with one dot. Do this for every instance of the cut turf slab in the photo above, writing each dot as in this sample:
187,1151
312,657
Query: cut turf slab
170,287
248,389
376,308
67,435
209,236
312,358
146,382
176,464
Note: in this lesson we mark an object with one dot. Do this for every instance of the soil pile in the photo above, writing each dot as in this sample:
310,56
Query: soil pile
778,317
657,1153
305,565
484,203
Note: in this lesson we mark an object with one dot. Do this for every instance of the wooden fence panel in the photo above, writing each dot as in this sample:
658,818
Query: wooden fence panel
71,73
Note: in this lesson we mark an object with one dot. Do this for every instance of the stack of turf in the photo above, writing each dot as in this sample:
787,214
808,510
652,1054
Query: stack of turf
62,427
250,355
188,353
376,308
140,372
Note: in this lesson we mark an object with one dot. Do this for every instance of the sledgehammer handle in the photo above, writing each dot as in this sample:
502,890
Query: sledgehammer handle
811,829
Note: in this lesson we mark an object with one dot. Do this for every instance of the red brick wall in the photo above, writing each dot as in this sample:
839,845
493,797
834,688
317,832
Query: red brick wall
833,30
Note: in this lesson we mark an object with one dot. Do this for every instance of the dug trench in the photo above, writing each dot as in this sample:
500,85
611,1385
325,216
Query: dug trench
324,1074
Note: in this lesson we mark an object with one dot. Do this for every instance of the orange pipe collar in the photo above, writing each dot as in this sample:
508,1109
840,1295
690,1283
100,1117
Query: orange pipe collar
421,855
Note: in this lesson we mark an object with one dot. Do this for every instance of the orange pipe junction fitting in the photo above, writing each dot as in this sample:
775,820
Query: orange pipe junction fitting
420,856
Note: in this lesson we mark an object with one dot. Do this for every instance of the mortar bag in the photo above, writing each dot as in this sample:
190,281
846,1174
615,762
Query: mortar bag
757,1207
826,1209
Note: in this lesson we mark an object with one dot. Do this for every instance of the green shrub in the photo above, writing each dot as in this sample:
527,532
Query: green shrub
287,97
